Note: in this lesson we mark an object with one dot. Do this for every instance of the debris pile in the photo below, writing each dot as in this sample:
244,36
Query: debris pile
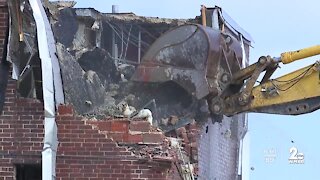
150,144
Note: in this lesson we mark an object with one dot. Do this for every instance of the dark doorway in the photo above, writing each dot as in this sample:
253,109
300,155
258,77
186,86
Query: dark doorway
28,172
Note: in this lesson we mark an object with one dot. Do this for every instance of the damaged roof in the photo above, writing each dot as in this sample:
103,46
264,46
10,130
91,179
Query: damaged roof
127,17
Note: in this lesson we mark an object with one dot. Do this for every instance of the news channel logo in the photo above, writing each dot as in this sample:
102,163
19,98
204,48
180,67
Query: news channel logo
295,156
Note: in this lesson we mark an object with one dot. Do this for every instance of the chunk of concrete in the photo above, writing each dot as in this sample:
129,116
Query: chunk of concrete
80,86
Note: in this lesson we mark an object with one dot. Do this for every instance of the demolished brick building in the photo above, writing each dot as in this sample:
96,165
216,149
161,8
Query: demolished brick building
97,54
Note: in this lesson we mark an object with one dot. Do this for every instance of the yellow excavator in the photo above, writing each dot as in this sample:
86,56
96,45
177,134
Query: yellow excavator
292,94
207,64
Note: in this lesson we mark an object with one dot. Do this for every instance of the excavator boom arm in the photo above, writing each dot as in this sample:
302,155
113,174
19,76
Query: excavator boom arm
295,93
292,94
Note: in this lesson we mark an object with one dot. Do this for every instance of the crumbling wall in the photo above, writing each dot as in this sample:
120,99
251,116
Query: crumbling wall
98,54
94,81
88,149
85,151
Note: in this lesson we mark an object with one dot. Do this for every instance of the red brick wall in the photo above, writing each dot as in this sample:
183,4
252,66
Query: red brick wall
3,24
6,169
84,152
21,132
92,153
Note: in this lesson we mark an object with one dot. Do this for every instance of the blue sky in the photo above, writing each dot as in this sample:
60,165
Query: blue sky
276,26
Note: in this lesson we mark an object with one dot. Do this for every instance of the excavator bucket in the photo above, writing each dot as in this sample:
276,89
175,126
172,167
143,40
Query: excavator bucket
200,59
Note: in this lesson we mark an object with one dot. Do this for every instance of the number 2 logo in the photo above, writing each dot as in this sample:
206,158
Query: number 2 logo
295,155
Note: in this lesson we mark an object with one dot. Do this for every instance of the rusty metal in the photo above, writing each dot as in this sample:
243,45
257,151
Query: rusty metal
239,101
20,21
269,72
203,15
196,57
244,73
247,72
246,93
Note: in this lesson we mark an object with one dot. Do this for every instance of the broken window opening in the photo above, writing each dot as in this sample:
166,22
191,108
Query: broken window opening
30,79
23,51
28,172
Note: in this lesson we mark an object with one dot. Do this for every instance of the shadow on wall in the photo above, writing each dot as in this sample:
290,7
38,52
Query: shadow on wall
4,72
